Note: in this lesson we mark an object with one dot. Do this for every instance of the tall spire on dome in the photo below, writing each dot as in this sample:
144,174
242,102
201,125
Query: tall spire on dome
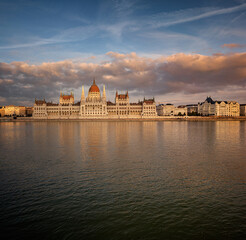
94,81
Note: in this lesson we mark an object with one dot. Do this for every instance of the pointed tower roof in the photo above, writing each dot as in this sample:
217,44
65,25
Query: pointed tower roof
104,92
210,100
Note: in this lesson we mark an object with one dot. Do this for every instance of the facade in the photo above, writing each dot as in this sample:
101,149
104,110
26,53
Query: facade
16,110
242,109
13,110
192,109
219,108
165,110
2,112
29,111
94,105
170,110
123,108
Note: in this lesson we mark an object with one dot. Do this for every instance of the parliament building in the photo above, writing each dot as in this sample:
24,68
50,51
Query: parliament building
94,106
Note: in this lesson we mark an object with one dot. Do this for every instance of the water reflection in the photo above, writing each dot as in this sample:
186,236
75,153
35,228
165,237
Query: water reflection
152,180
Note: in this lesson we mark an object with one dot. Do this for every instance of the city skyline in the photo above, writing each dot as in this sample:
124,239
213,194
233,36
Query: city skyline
178,52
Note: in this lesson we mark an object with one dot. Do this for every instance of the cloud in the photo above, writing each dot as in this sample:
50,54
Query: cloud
182,74
190,15
233,45
123,7
123,23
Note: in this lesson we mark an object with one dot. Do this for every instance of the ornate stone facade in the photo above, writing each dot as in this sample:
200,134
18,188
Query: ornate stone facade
219,108
94,106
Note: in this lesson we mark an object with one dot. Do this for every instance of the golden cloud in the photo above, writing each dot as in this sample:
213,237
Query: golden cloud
233,45
178,73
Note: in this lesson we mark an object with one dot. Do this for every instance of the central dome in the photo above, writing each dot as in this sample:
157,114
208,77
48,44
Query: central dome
94,87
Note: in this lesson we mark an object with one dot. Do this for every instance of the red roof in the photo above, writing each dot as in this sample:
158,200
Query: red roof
149,101
110,103
67,97
121,96
94,87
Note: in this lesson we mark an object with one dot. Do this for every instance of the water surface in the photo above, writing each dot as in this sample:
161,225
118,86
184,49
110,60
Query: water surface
123,180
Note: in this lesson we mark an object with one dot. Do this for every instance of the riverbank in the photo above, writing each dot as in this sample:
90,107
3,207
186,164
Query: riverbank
167,118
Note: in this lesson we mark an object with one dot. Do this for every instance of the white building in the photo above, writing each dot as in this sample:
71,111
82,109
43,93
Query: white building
219,108
94,106
170,110
191,109
14,110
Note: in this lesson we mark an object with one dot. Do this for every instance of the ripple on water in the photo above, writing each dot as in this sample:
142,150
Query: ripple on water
163,180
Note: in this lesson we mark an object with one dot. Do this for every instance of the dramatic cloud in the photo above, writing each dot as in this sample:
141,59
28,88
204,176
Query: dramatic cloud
233,45
179,74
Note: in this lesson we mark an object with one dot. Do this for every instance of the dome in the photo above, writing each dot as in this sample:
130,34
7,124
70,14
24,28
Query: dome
94,88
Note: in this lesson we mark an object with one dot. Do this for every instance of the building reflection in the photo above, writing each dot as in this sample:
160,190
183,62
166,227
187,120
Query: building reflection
203,154
93,140
187,154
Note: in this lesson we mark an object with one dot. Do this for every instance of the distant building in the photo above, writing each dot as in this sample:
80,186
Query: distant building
170,110
16,110
192,109
94,106
218,108
2,112
29,111
242,109
165,109
180,110
11,110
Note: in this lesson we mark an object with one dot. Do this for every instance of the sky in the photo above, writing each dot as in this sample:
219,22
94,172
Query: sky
178,51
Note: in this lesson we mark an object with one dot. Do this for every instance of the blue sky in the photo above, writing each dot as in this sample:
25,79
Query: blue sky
37,32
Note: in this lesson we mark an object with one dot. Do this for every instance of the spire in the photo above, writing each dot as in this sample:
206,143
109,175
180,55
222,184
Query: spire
94,81
104,92
116,94
83,94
